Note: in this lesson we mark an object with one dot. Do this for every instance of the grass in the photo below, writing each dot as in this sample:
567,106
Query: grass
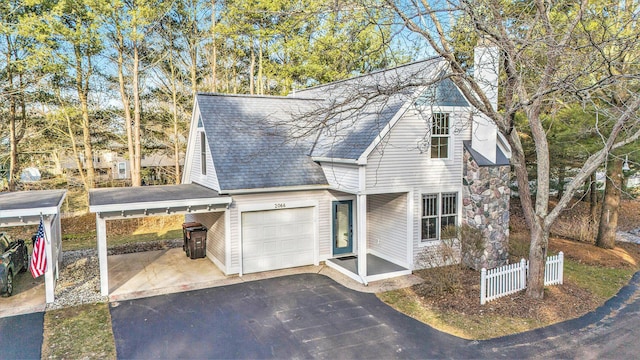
466,326
600,281
79,332
87,240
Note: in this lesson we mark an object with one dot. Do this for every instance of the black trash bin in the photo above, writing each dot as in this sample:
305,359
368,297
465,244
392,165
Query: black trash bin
196,241
184,234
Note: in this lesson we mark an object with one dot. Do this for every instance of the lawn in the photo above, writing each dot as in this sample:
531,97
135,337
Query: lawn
79,332
591,276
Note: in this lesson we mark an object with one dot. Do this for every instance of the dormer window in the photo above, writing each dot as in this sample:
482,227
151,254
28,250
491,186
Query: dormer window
440,136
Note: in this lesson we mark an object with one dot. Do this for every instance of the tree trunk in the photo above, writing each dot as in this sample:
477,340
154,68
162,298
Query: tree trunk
537,260
174,99
14,164
214,50
561,177
252,70
125,97
137,156
609,215
593,197
82,86
74,146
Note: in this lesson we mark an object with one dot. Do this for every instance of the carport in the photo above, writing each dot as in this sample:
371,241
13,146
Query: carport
136,202
23,208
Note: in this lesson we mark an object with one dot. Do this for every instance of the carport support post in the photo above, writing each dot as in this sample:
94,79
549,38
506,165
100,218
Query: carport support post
101,234
361,208
48,274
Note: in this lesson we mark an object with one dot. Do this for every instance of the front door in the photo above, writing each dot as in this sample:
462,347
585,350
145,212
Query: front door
342,227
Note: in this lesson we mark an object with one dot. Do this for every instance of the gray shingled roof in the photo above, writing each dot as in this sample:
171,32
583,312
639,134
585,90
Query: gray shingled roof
150,194
259,141
367,104
266,141
33,199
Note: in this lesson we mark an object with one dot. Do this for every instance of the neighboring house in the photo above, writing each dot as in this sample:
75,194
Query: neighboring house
157,167
364,174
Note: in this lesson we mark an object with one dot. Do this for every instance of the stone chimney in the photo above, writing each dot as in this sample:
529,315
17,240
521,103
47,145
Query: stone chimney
485,72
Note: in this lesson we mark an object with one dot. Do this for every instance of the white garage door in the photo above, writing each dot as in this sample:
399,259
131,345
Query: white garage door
277,239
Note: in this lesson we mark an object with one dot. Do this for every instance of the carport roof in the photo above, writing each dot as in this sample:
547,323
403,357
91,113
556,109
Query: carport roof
29,203
165,198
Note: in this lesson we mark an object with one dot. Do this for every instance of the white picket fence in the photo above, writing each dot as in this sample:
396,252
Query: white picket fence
508,279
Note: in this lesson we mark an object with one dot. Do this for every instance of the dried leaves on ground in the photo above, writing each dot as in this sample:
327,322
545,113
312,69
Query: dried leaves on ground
590,275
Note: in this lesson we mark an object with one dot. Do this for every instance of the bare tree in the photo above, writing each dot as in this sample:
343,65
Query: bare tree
549,51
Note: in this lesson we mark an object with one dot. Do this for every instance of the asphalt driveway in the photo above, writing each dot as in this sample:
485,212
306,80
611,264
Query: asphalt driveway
298,316
311,316
21,336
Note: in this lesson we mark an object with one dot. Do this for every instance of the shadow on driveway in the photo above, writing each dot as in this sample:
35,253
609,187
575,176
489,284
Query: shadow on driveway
298,316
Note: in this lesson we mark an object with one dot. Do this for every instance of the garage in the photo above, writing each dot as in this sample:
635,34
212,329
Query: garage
277,239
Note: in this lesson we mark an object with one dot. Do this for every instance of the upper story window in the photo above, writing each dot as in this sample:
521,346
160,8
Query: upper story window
439,216
440,136
203,153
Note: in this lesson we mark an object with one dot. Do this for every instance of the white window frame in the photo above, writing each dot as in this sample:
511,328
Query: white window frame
437,211
438,133
203,153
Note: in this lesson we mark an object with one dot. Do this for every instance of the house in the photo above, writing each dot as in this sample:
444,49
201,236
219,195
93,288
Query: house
364,174
111,164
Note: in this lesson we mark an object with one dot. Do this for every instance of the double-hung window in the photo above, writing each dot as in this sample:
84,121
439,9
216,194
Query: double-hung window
440,136
439,216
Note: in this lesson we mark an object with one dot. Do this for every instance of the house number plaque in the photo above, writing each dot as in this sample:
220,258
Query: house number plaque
280,205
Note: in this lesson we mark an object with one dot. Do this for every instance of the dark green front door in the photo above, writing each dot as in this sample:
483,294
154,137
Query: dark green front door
342,227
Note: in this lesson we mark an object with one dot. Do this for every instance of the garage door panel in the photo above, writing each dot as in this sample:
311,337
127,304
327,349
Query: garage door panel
277,239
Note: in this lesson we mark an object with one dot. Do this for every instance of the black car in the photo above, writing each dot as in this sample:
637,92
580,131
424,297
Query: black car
14,258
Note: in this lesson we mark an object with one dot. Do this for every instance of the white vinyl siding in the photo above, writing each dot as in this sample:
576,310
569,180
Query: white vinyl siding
341,176
397,162
323,220
387,227
209,180
214,222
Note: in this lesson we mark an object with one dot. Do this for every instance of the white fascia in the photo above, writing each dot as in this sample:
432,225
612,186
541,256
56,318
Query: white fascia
160,204
188,158
321,159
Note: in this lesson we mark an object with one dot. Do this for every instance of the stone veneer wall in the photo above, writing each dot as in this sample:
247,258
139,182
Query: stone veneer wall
485,206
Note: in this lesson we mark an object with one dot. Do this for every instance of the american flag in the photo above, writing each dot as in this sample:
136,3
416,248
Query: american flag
39,258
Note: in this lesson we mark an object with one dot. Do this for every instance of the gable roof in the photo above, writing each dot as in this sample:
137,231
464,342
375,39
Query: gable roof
360,108
270,141
255,141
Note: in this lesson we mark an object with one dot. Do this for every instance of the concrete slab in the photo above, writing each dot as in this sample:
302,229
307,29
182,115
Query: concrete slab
151,273
28,296
159,272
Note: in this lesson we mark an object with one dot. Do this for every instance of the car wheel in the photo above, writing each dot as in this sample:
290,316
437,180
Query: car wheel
9,291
